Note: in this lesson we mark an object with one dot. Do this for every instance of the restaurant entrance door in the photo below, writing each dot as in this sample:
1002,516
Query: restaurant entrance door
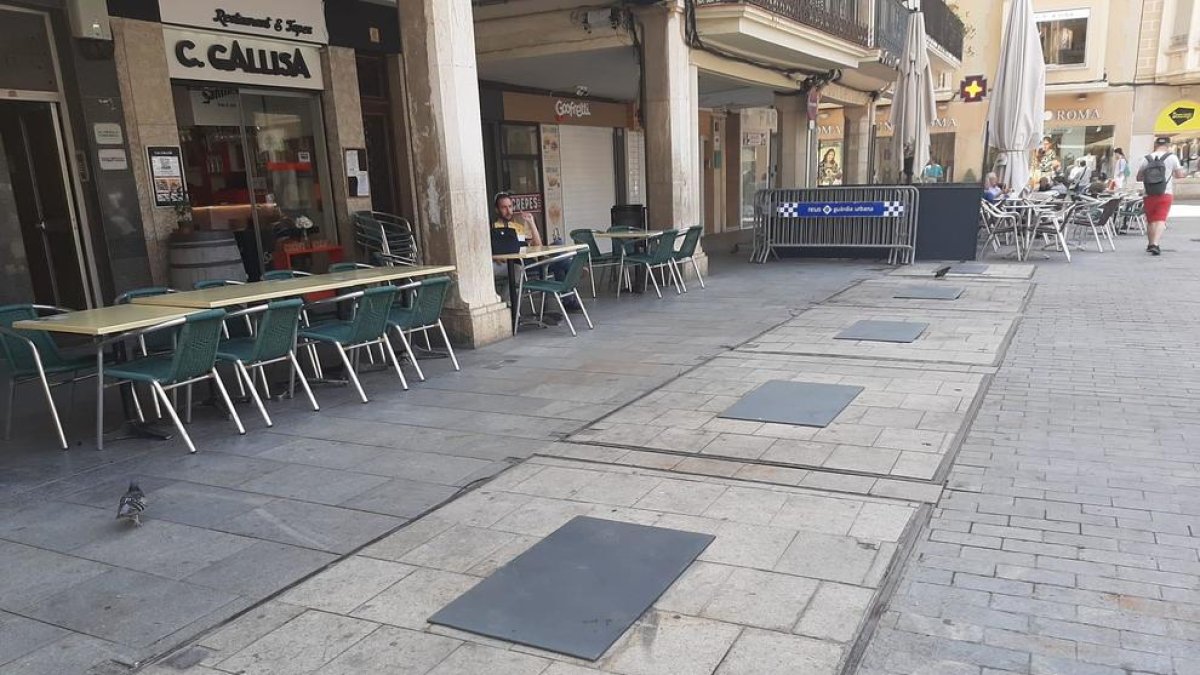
42,256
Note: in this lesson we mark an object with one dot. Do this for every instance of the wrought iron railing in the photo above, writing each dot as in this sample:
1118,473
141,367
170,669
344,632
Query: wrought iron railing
891,29
944,27
846,19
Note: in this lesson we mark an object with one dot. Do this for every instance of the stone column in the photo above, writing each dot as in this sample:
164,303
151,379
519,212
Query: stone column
149,110
856,152
673,160
447,147
797,168
343,130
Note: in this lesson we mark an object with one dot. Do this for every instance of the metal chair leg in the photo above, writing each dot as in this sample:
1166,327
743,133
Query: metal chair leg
161,394
583,309
592,278
350,374
225,396
303,380
62,438
650,276
395,362
409,351
187,398
678,273
449,347
676,277
700,277
137,403
242,373
563,309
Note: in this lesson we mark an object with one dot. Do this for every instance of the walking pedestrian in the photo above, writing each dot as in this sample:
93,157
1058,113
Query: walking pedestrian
1120,168
1157,174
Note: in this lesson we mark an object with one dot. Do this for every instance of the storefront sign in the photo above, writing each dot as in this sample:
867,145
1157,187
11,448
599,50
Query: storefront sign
973,89
1179,117
1061,15
531,203
563,109
520,107
166,175
302,20
551,178
200,55
841,210
1074,115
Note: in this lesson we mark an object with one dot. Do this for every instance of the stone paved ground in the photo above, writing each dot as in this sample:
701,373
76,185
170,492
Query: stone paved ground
1067,540
249,516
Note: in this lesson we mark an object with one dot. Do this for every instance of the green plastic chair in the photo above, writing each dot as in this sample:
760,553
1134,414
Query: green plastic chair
560,289
595,257
194,360
277,275
205,284
368,327
275,341
422,315
160,342
349,266
661,254
33,356
687,252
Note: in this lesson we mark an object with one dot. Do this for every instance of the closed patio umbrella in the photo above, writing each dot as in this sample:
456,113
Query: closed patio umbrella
913,107
1018,97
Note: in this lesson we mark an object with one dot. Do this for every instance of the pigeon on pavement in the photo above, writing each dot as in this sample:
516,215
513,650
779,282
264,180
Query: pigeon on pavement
941,272
132,504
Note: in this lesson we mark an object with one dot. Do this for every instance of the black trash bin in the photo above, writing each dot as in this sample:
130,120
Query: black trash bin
629,215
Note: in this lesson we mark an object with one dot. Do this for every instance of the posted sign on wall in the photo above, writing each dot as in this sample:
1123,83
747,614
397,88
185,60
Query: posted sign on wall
218,57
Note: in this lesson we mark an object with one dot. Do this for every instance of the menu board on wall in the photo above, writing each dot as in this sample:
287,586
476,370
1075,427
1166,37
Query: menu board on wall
166,175
552,180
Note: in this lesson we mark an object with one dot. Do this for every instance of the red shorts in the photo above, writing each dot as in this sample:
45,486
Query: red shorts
1158,207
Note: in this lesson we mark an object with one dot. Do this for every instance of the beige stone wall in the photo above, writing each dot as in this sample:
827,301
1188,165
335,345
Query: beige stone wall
149,120
343,130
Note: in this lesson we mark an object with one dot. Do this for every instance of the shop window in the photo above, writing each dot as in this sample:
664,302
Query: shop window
254,162
1064,36
1181,28
1094,145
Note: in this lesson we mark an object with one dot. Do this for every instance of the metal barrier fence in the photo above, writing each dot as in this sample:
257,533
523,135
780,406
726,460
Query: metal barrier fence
879,217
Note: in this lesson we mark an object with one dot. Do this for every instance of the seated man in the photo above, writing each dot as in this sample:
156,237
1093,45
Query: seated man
527,232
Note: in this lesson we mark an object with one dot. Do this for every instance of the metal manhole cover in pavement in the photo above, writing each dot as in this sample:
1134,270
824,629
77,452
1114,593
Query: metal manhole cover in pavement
579,589
929,292
810,404
883,331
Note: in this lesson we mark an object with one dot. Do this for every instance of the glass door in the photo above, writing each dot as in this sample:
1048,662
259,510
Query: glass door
44,261
285,156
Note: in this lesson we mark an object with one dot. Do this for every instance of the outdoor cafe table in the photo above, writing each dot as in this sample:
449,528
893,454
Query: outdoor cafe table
100,324
518,259
260,291
638,236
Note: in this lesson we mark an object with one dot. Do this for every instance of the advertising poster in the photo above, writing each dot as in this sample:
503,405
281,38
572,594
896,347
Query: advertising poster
166,175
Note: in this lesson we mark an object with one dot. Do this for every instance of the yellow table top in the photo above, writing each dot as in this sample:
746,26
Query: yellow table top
635,234
260,291
529,252
104,320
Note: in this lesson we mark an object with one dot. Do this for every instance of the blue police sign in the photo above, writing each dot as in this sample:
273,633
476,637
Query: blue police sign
841,209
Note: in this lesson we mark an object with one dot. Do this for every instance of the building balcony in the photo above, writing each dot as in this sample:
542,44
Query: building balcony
838,18
945,31
890,30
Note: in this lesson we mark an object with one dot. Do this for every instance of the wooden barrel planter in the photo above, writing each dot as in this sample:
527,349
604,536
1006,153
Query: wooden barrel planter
203,254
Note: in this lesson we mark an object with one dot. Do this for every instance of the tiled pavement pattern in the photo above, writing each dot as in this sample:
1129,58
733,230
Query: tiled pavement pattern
968,338
978,295
903,424
1068,539
783,588
249,516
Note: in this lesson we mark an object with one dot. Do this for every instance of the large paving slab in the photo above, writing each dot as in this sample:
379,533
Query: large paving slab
1006,297
903,424
993,270
971,338
788,582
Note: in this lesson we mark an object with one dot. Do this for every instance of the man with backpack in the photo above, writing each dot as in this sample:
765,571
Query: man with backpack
1158,174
